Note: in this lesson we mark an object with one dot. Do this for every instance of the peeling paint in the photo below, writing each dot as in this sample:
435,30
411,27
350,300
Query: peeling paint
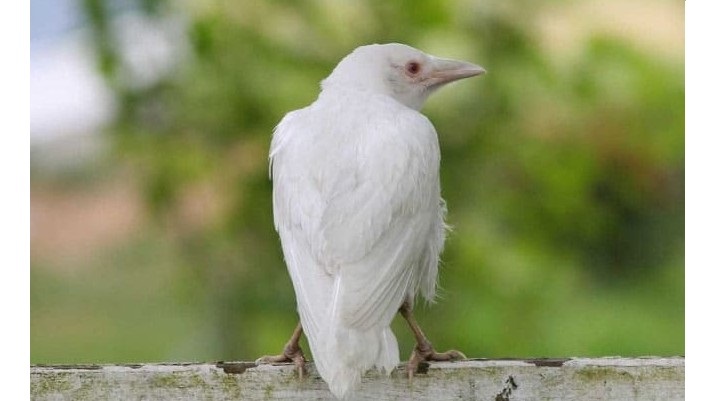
235,367
632,379
506,392
548,362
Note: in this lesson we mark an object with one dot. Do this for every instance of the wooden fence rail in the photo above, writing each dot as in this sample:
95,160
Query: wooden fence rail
649,378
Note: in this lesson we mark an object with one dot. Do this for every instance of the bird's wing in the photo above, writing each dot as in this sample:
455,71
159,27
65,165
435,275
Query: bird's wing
382,225
297,207
359,216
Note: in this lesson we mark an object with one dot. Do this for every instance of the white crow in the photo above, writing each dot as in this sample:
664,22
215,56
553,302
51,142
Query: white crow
357,205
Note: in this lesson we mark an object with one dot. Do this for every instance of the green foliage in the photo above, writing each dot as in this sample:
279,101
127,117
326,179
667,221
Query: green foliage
564,179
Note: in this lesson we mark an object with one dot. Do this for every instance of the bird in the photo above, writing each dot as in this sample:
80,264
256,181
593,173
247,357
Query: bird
358,209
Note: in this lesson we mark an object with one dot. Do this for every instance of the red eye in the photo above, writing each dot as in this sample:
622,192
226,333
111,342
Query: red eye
412,67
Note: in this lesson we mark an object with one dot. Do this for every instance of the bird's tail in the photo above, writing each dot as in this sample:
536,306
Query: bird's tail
344,354
342,350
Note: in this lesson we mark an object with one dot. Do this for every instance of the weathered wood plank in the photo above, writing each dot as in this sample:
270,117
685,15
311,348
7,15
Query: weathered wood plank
495,380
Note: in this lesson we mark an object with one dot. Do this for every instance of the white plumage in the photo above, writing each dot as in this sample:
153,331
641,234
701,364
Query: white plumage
357,204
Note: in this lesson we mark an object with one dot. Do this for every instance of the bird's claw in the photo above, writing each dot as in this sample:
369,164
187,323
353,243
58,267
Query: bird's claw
290,355
427,353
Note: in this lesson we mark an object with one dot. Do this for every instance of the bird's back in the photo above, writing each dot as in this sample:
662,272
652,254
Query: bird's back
357,206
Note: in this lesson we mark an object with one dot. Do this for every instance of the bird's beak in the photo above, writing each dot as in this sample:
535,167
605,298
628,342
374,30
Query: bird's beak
446,70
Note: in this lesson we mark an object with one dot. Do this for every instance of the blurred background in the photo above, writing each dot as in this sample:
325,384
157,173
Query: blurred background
151,226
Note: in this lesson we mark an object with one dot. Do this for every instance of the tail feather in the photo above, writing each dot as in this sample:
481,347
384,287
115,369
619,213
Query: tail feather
346,337
344,354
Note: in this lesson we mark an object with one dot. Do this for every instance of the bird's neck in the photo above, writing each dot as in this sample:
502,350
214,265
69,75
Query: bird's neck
337,90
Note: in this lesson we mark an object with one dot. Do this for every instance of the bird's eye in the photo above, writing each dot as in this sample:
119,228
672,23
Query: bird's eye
412,67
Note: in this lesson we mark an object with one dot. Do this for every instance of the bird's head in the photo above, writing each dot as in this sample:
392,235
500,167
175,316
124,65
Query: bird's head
402,72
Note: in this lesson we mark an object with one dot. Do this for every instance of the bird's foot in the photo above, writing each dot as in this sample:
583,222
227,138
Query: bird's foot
425,352
291,353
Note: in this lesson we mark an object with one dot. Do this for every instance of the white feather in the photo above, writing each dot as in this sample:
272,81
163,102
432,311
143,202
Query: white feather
357,206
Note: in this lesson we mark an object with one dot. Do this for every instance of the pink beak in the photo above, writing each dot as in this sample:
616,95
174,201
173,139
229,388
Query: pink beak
446,70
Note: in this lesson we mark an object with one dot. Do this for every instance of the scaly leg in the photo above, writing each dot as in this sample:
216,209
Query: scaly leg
292,352
423,350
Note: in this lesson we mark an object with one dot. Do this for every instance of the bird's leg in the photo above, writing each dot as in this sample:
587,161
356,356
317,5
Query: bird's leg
292,352
423,350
